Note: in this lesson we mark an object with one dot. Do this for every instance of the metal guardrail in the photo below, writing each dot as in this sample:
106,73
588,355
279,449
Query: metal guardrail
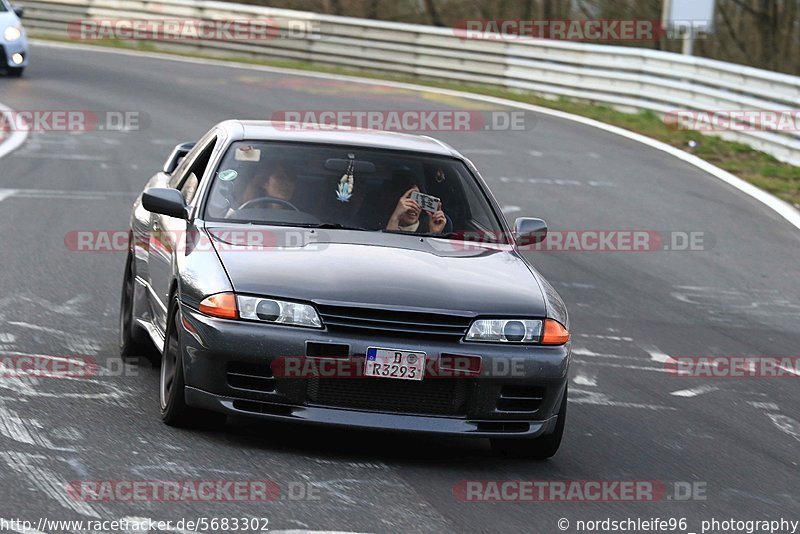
624,77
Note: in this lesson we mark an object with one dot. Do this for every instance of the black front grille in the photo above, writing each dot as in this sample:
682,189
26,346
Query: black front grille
250,377
394,322
443,397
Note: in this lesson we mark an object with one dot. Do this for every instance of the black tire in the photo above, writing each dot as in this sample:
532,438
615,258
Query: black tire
540,448
172,384
16,72
133,341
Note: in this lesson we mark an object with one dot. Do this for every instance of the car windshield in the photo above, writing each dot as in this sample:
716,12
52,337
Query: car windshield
3,6
312,185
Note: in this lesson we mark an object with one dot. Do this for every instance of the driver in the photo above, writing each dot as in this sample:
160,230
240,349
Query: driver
274,181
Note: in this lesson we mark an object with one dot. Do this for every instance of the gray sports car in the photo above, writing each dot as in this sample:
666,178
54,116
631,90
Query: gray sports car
343,277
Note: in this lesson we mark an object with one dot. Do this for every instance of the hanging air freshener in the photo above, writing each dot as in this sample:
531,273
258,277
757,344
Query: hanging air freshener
345,189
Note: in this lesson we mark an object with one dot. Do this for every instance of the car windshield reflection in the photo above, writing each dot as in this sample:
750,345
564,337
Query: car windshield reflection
350,188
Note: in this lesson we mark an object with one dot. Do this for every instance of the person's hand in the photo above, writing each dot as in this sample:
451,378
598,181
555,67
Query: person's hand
405,206
438,220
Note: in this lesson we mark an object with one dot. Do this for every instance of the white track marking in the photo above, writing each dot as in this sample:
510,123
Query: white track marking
75,344
789,370
26,431
576,285
69,307
5,193
772,202
510,209
625,366
695,392
17,137
656,355
583,380
608,338
580,351
338,489
786,424
582,396
31,326
771,406
23,385
7,338
45,480
68,433
535,153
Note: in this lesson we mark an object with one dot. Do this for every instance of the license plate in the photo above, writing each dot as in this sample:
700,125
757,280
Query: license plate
391,363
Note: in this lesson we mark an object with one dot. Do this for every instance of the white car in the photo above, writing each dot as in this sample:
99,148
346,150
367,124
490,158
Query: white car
13,41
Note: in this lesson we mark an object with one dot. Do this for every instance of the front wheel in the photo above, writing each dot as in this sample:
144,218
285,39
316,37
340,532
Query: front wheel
172,384
539,448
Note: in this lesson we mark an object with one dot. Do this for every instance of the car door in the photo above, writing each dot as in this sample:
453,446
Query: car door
168,234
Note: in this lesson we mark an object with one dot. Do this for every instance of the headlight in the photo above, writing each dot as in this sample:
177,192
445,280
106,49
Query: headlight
505,331
12,33
277,311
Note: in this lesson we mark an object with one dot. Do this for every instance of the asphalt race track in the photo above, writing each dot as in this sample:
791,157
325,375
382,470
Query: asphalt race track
629,420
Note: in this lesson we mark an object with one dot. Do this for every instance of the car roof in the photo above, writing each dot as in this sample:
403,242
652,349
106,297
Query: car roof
264,130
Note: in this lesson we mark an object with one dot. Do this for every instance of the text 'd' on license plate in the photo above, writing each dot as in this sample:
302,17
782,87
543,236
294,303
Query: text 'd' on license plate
391,363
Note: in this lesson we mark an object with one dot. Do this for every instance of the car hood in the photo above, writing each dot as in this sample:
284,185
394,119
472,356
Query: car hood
7,18
385,271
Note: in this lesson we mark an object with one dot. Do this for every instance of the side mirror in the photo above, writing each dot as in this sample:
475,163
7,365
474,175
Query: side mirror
165,201
19,10
529,231
174,159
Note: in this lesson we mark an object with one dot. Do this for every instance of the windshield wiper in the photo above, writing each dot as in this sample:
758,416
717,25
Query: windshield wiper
334,226
452,235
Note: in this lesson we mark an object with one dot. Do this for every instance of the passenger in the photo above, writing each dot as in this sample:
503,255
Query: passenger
409,217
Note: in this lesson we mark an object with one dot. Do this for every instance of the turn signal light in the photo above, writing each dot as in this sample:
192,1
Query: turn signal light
554,333
222,305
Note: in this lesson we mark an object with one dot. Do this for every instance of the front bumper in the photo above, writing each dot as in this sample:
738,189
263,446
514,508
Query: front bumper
7,50
227,366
